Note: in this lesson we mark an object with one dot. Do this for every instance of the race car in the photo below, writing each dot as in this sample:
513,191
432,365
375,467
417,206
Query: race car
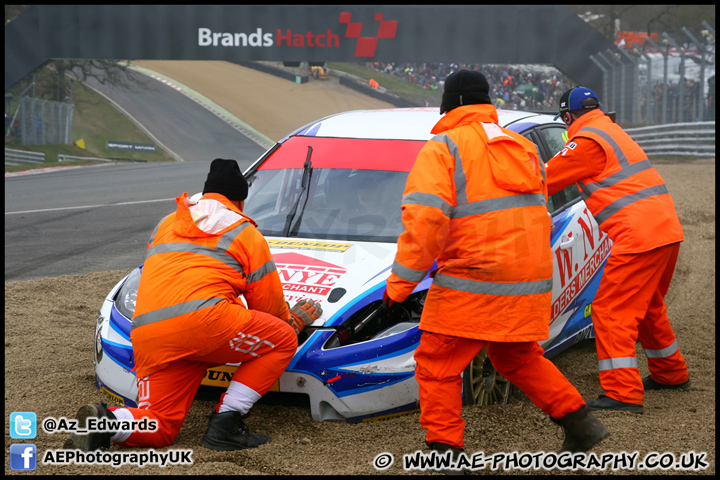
327,198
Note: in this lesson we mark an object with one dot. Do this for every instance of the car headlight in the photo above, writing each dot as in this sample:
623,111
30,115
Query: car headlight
374,321
127,296
98,346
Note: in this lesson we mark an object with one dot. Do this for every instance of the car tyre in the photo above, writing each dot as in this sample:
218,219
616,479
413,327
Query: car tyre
483,384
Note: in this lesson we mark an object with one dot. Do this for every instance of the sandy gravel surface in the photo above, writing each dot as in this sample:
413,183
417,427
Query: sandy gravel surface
49,325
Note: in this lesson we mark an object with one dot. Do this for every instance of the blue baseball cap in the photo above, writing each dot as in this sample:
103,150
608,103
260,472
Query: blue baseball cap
578,98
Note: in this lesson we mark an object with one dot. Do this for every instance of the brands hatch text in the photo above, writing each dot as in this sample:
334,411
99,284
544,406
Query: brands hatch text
207,37
365,45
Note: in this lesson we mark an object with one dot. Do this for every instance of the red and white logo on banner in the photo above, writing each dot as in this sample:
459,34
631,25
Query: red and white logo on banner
366,45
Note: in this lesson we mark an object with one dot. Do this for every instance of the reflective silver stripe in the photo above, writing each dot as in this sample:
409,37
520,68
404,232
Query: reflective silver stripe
620,362
408,273
460,178
198,249
542,168
428,200
616,148
623,202
495,204
230,236
217,253
260,273
493,288
174,311
663,353
616,177
463,208
626,171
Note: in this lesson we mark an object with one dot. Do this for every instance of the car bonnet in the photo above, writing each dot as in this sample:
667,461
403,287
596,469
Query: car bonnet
338,274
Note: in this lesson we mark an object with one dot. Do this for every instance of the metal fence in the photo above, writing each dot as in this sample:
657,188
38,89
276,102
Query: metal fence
44,122
668,80
695,139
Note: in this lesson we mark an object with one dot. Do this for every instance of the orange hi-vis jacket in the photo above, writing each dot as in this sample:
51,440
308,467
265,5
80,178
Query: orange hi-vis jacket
200,259
476,202
628,199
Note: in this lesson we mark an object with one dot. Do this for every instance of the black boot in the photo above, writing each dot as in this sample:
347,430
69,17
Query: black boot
603,402
441,448
582,430
227,431
650,384
92,440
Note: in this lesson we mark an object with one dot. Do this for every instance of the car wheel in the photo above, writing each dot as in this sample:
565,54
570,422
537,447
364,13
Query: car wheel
482,384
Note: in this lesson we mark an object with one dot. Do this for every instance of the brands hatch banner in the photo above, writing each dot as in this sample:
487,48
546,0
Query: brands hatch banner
319,33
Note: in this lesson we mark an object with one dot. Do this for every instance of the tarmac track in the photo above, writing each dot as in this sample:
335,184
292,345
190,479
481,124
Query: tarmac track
98,218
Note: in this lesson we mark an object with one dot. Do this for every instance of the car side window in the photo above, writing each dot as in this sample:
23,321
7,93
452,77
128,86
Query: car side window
555,138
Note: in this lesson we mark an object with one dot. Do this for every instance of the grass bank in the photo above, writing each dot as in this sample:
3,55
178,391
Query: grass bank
95,121
392,83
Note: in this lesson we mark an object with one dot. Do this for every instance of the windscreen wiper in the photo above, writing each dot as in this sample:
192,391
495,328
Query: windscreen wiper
306,176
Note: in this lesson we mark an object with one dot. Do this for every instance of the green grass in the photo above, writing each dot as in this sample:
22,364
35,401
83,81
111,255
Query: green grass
95,121
390,82
51,154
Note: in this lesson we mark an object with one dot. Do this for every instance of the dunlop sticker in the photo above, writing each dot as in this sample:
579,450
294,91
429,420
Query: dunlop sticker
114,397
304,245
219,376
222,375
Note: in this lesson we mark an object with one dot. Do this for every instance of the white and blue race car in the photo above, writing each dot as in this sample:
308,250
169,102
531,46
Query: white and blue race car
327,199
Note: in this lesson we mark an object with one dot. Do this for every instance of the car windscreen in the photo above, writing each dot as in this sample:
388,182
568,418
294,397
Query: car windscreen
352,189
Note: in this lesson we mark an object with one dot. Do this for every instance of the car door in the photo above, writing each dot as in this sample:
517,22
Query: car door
579,252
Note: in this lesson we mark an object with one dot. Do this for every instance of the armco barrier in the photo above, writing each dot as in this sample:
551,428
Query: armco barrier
346,79
21,157
694,139
278,72
70,158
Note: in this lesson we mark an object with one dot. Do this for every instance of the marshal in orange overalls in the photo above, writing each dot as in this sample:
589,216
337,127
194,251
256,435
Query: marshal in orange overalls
189,316
630,202
475,201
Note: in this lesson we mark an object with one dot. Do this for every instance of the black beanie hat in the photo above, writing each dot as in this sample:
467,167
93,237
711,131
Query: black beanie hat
226,179
466,87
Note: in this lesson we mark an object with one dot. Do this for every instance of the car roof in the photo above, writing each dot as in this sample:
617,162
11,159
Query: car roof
403,123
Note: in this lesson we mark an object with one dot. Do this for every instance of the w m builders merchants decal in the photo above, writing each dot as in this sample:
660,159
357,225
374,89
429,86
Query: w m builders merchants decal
590,250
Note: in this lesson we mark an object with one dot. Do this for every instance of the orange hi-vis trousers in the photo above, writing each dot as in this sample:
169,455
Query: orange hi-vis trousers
166,395
630,306
441,360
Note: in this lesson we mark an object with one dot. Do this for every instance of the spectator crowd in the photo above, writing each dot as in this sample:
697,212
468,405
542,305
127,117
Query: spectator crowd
539,87
696,107
512,87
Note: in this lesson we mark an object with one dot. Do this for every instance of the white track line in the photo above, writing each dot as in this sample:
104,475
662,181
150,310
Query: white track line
208,105
90,206
136,122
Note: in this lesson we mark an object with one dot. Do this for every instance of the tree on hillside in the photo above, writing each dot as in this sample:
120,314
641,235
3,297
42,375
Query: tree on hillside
56,80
